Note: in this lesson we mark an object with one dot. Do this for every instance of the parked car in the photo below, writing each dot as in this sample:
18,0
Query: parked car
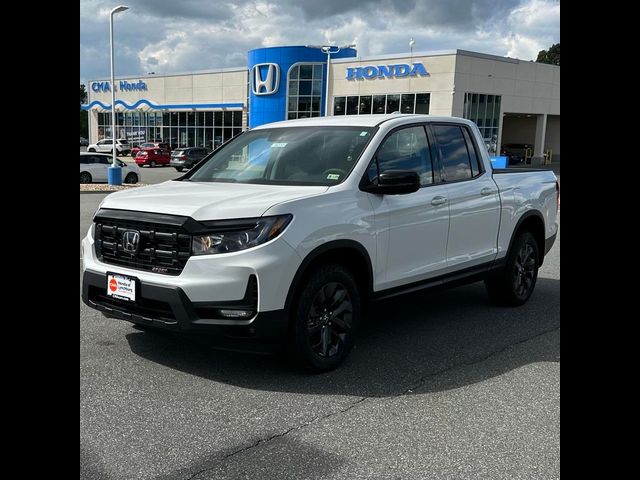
137,148
93,168
153,156
286,232
515,152
106,146
83,142
187,157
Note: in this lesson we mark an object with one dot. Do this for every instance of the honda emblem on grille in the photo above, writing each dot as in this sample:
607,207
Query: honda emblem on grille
131,241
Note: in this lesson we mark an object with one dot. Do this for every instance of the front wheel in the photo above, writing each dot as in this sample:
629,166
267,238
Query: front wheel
152,163
179,169
325,319
514,284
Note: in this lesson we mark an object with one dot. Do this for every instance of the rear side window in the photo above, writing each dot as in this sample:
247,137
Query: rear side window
453,152
476,168
407,149
84,159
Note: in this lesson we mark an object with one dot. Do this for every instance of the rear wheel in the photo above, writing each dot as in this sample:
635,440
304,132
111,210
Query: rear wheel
152,163
85,177
91,150
325,319
514,284
179,169
131,178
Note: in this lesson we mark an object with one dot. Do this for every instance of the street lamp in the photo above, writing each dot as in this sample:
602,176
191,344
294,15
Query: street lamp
114,174
329,49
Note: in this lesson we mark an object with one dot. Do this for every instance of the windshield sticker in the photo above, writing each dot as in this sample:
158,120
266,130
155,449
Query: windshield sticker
279,145
364,134
333,176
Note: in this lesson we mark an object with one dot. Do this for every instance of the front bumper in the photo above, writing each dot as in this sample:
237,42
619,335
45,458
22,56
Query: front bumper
169,308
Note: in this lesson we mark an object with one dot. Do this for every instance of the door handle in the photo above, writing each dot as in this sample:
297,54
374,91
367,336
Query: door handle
487,191
438,201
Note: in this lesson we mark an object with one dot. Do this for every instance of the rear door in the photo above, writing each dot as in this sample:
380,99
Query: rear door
474,203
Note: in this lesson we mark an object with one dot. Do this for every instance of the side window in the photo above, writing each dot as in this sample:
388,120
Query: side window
407,149
103,160
84,159
476,168
453,152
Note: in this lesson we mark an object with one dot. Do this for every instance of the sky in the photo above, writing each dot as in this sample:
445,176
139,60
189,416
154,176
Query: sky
174,36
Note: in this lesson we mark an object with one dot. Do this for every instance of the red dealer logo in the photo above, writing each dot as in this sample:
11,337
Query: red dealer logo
113,285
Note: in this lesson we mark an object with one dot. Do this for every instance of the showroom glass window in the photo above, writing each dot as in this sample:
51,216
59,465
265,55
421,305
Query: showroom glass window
393,102
484,111
180,129
304,87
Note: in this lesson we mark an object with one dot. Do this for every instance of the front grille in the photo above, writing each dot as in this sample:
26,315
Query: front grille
162,248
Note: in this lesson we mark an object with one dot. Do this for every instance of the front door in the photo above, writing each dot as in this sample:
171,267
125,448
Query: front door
413,235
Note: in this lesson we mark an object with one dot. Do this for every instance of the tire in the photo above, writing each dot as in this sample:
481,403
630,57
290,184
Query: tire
93,150
85,177
152,163
320,339
179,169
131,178
514,284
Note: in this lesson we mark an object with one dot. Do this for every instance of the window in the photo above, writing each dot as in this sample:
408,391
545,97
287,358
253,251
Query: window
473,155
367,104
287,156
305,91
407,149
186,129
84,159
484,111
453,152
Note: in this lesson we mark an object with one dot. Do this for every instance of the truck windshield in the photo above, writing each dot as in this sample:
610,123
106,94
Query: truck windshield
287,156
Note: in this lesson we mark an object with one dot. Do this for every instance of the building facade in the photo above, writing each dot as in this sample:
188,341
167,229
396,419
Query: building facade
512,101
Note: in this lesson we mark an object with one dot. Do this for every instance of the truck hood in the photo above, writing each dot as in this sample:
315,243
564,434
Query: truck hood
207,200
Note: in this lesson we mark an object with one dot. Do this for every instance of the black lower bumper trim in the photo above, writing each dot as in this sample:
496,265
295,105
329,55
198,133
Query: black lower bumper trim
169,308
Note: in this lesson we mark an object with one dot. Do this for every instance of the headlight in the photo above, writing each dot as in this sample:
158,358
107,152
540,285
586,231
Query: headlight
245,234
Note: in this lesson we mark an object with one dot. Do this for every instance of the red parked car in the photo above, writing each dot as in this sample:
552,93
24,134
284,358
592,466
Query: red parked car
156,144
153,157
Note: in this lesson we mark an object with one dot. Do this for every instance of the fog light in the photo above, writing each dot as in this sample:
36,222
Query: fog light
236,313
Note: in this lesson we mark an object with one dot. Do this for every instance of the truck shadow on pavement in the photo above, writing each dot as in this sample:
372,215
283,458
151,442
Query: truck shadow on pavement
432,341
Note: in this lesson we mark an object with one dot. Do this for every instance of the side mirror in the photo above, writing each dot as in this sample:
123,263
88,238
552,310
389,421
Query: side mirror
395,182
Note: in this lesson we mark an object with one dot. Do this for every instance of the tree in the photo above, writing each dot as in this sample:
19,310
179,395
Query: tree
84,120
551,56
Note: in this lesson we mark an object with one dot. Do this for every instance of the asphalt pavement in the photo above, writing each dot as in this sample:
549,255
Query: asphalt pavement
439,386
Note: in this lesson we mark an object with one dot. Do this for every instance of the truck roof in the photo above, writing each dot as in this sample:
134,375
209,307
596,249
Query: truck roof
357,120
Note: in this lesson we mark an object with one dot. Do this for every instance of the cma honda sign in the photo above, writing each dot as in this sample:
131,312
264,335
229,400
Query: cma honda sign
386,71
265,78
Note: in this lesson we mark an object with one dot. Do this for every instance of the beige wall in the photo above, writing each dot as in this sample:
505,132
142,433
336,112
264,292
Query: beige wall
439,82
216,87
552,139
526,87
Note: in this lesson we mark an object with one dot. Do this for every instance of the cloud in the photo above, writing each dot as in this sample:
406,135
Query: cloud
169,37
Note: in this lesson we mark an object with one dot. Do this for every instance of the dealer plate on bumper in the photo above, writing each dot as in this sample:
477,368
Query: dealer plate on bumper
121,287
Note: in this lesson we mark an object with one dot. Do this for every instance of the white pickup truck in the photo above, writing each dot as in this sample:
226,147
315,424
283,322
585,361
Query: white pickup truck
283,235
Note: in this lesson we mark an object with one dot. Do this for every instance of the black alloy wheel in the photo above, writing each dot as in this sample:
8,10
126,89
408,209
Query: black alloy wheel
325,318
514,284
330,319
85,177
131,178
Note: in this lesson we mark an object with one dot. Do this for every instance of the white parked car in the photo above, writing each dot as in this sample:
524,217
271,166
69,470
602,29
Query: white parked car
93,168
286,232
106,145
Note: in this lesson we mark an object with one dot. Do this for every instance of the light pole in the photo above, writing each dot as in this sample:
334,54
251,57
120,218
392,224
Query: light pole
412,42
329,49
114,174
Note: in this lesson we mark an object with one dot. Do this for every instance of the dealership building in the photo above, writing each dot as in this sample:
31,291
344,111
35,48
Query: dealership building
512,101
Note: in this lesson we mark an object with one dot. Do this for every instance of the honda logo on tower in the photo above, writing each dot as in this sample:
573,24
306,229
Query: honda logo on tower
266,78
